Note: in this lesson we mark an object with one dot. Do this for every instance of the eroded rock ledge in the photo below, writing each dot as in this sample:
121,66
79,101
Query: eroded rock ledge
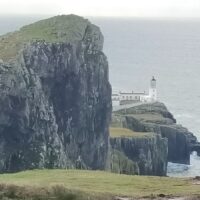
147,154
148,118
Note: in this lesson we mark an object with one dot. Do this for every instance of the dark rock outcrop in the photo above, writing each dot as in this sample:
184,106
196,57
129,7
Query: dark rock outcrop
121,164
156,118
147,154
55,104
195,147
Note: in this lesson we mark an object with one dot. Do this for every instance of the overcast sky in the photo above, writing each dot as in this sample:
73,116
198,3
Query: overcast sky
135,8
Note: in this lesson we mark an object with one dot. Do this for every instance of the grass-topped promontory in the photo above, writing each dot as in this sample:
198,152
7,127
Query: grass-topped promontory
116,132
64,28
95,183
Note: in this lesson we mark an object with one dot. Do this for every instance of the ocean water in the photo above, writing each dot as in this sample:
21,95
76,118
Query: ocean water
138,49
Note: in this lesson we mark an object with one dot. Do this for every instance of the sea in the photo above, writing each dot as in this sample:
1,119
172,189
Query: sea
139,48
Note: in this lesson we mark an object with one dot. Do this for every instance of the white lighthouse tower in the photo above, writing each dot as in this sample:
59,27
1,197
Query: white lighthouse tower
152,90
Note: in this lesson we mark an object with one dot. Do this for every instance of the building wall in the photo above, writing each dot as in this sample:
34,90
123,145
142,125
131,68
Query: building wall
115,100
128,98
131,97
153,94
115,103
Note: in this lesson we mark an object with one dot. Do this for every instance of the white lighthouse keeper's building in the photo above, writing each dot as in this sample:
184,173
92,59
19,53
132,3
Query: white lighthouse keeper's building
121,98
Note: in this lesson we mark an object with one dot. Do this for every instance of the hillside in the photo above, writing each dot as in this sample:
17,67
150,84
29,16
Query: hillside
55,96
47,184
63,28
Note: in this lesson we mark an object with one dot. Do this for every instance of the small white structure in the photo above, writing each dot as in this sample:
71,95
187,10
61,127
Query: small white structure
132,96
115,99
152,90
121,98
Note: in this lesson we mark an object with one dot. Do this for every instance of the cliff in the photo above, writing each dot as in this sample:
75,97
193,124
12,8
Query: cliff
147,153
156,118
55,101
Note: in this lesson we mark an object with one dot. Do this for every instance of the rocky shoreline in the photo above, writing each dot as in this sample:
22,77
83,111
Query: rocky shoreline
154,117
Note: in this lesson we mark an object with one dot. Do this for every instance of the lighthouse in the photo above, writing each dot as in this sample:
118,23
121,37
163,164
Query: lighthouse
152,90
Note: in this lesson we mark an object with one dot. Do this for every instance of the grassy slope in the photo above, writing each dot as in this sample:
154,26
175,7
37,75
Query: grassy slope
124,132
64,28
98,182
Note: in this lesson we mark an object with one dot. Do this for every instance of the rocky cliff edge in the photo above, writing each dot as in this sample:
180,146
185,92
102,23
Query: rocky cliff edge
176,146
55,101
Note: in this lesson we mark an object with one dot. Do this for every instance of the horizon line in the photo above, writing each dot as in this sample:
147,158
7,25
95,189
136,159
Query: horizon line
105,16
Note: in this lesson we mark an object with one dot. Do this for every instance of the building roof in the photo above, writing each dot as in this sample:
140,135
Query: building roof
115,94
131,93
153,78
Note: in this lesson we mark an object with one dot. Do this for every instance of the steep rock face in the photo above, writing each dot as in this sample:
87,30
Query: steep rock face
178,143
178,137
156,118
121,164
55,105
196,147
148,154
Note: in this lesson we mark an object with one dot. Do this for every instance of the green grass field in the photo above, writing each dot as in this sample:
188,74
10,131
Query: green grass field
99,183
124,132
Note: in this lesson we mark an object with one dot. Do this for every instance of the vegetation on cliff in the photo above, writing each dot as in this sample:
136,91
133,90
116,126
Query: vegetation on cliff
63,28
124,132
